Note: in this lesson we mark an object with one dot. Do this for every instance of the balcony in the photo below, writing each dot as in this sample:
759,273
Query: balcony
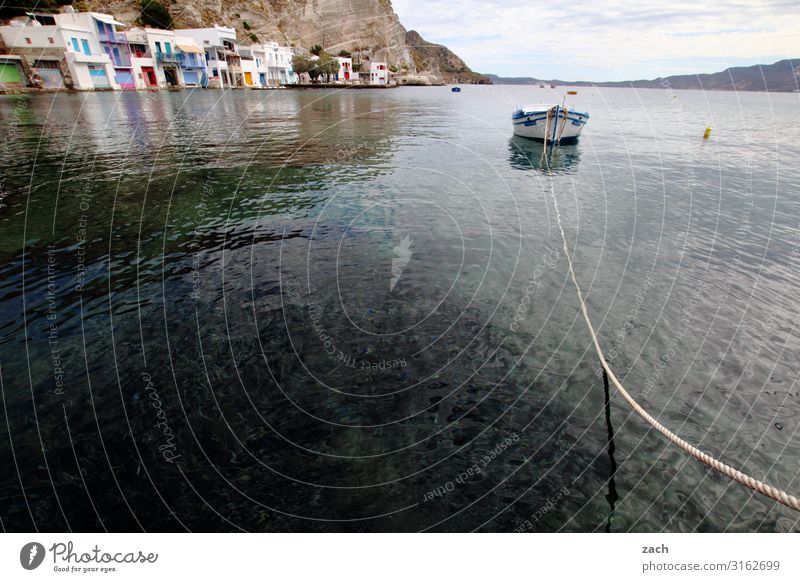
115,37
167,58
120,60
191,61
84,58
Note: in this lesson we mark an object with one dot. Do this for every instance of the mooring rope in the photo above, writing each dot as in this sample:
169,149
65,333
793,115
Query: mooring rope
563,125
768,490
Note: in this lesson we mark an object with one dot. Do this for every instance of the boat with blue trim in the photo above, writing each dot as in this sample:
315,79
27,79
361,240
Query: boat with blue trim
549,123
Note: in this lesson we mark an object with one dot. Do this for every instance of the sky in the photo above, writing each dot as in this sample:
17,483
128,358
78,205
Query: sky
607,40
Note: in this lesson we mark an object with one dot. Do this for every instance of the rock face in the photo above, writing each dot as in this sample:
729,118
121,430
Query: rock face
364,27
440,61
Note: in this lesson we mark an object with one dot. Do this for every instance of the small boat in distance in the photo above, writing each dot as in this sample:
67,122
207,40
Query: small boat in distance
552,85
541,86
572,92
549,123
456,89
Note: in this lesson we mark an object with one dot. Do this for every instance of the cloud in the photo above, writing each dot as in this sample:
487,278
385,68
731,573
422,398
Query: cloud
614,39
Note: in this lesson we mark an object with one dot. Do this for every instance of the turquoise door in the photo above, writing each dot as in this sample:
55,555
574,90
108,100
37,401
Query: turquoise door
99,77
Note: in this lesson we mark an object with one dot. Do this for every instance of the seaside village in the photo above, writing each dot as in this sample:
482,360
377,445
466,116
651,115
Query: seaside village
89,51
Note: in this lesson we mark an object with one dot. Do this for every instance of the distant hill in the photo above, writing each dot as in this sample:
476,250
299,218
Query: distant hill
441,61
781,76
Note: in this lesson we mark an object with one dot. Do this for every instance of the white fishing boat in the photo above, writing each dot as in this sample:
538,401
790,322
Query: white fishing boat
550,123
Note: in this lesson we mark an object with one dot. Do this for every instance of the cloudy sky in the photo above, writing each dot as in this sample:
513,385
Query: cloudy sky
607,40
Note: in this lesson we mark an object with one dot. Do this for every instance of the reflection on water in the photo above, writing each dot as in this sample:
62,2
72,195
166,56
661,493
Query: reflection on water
303,311
529,154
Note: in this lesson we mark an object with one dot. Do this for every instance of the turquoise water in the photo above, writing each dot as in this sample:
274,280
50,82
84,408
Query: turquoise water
349,311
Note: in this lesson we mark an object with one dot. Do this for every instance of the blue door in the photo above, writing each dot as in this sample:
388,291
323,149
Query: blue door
99,77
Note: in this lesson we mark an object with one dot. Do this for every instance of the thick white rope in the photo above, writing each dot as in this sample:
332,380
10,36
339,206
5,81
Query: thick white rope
563,125
772,492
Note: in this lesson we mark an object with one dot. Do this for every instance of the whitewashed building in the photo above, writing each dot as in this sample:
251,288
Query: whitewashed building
271,65
378,73
193,67
112,42
143,63
163,47
249,70
58,51
259,72
221,53
285,57
163,58
279,64
346,74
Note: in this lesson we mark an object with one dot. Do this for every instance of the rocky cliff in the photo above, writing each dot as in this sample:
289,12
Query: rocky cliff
440,61
363,27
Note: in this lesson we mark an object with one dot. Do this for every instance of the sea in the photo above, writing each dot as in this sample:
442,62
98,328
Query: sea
350,311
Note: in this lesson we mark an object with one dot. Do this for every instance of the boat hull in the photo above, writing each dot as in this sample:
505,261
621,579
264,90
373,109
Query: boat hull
555,124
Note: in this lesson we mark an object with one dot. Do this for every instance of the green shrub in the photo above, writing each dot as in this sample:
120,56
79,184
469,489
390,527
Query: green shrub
154,14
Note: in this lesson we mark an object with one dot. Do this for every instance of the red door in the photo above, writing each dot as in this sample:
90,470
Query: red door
149,76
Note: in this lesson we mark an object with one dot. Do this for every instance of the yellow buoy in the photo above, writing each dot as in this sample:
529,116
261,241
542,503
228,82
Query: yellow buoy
707,134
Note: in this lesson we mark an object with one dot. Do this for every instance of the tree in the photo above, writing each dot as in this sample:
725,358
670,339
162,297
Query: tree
345,54
154,14
316,50
302,64
327,65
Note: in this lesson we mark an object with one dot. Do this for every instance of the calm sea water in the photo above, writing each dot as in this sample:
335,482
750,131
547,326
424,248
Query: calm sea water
350,311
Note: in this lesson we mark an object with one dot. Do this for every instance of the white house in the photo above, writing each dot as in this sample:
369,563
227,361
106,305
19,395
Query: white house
283,65
249,71
111,41
143,63
194,71
221,54
161,58
257,68
378,73
345,74
164,49
60,52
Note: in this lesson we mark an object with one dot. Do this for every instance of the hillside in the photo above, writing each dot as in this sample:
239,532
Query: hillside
366,28
440,61
780,76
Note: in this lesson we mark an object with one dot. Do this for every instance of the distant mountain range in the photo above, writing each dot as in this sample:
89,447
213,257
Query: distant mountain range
781,76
